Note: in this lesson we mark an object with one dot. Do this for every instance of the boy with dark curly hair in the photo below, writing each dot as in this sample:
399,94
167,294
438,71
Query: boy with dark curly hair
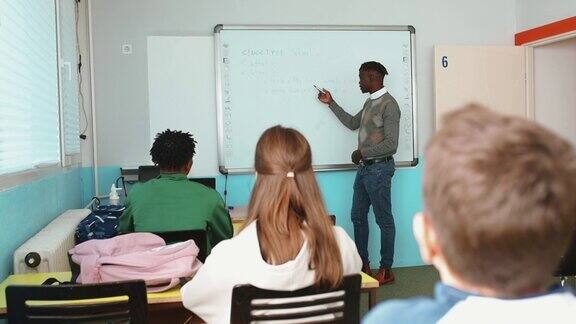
171,202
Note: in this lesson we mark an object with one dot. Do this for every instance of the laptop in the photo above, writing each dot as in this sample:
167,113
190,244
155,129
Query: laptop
147,172
208,182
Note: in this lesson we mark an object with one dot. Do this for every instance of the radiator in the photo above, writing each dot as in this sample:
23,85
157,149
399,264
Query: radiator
47,251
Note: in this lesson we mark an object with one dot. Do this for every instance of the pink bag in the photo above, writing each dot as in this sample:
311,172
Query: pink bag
136,256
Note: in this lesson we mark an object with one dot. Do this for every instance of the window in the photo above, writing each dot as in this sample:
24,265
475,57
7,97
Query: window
69,76
38,115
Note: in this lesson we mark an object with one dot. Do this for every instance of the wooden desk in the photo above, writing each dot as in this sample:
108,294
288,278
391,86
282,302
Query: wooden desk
238,215
237,224
369,285
159,303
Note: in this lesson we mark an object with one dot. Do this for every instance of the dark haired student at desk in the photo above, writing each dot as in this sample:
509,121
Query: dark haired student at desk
171,202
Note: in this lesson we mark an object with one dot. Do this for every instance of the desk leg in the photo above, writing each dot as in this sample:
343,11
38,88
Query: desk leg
372,295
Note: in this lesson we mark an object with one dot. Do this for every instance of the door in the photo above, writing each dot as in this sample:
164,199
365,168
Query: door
492,76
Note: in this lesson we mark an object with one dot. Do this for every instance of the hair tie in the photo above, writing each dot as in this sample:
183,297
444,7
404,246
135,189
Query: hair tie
290,174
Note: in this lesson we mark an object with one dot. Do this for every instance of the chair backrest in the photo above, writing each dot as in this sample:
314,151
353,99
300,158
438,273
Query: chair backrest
208,182
133,310
333,219
199,237
310,304
147,172
567,266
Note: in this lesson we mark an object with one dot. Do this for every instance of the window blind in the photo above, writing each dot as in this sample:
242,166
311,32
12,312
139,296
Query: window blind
29,110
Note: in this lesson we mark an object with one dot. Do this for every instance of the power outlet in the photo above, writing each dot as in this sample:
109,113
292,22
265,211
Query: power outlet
127,49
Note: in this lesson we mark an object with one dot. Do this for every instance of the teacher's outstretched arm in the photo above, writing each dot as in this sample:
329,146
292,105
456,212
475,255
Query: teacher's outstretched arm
351,122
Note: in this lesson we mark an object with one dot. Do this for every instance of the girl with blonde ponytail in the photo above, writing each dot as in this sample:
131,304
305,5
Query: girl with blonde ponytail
288,241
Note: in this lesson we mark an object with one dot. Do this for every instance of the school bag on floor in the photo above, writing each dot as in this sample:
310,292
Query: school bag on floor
136,256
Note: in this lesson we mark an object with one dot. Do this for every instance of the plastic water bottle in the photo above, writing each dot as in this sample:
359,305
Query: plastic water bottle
113,196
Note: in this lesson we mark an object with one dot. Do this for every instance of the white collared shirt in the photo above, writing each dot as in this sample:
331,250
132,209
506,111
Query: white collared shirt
378,94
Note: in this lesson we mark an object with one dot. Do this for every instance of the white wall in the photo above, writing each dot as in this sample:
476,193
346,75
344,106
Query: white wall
121,83
554,84
534,13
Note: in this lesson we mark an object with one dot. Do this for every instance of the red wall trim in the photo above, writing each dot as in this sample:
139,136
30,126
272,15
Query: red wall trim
545,31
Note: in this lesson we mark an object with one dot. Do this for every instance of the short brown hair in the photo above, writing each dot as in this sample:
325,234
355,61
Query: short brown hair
499,191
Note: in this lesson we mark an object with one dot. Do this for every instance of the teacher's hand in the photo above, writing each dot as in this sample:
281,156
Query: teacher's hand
325,96
356,157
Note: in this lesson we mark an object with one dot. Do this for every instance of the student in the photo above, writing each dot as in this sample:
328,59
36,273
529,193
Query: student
288,241
171,202
499,212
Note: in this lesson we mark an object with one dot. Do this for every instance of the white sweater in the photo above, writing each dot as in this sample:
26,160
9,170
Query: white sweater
555,308
238,261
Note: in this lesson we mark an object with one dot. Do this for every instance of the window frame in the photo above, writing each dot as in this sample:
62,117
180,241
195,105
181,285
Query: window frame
66,159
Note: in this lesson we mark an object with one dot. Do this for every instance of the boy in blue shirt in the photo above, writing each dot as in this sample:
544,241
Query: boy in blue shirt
499,213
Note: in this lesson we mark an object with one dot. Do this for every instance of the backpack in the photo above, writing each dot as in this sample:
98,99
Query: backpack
136,256
102,223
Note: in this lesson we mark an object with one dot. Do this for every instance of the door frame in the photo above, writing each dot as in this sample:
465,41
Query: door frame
543,35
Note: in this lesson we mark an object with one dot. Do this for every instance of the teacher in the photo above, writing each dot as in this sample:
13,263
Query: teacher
378,124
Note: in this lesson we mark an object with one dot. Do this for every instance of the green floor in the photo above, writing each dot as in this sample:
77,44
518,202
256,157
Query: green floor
410,282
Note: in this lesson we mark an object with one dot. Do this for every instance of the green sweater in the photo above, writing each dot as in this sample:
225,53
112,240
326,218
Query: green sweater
173,203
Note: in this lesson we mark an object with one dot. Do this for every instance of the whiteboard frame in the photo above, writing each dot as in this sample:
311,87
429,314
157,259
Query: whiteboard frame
323,167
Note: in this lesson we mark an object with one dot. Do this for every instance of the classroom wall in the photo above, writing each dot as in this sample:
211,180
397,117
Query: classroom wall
27,208
534,13
121,81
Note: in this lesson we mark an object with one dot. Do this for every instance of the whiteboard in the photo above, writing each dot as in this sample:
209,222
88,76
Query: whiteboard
265,76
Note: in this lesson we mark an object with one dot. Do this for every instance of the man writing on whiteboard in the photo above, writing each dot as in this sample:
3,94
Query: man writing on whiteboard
378,124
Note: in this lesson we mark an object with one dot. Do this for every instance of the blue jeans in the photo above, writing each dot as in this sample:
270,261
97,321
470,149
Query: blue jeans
372,187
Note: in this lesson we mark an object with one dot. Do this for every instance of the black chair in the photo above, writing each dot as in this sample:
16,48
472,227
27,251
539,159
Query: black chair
132,310
567,266
199,237
147,172
333,219
341,305
208,182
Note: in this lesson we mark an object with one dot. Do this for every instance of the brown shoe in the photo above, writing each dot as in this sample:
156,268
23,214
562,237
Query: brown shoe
366,269
384,276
